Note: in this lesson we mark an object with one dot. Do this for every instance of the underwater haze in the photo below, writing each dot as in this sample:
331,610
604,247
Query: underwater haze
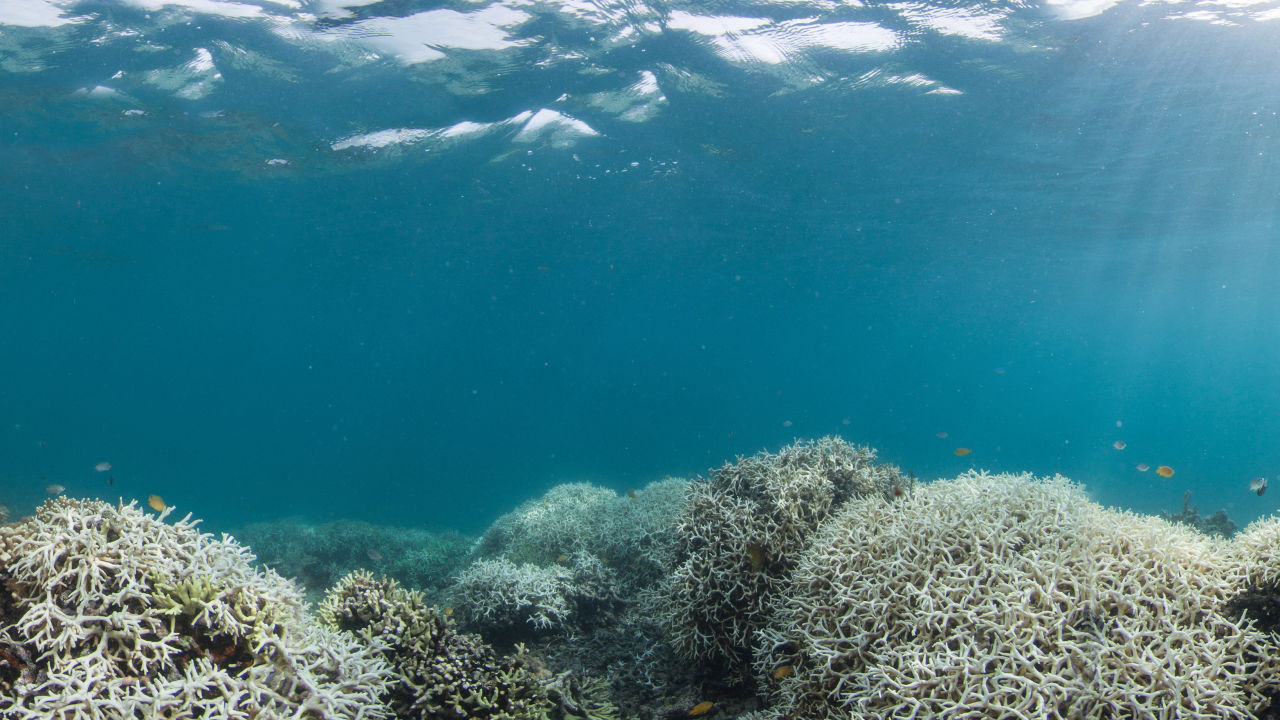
415,262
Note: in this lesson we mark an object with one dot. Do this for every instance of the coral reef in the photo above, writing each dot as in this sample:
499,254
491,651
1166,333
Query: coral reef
319,555
441,674
631,533
1007,596
111,613
742,529
1215,523
509,602
581,563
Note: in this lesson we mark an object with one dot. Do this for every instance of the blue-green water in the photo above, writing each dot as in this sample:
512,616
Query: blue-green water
415,262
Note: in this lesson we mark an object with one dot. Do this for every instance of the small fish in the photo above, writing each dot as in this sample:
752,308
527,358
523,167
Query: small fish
55,489
448,611
701,708
961,452
102,466
562,559
111,479
783,671
373,555
998,371
1164,471
1119,445
787,423
942,435
155,502
1142,467
1258,485
755,553
632,494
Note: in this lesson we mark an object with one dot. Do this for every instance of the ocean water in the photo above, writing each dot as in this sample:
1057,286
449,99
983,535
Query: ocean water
414,262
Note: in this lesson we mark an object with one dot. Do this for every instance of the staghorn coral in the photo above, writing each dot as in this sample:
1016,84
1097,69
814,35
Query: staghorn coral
441,674
112,613
575,697
632,533
742,529
505,601
564,520
1007,596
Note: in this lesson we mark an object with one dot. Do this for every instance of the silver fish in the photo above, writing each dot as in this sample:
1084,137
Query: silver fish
1258,485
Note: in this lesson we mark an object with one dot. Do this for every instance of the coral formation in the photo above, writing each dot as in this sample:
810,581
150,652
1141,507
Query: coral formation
1215,523
742,529
1006,596
507,602
631,533
500,596
112,613
441,674
567,519
319,555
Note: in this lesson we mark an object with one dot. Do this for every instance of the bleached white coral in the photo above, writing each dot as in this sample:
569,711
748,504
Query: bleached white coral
1007,596
741,530
632,533
499,595
564,520
114,613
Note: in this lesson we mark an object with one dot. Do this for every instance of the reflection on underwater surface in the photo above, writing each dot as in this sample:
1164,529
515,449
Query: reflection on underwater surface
271,255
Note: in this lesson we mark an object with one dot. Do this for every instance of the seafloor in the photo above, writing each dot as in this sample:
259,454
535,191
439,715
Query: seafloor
814,582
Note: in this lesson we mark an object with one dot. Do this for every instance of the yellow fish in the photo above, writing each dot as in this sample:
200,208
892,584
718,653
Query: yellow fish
1164,471
962,451
156,503
783,671
701,708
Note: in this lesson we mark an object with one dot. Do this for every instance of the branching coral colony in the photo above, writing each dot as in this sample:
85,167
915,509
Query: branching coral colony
742,529
839,588
109,612
1008,596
